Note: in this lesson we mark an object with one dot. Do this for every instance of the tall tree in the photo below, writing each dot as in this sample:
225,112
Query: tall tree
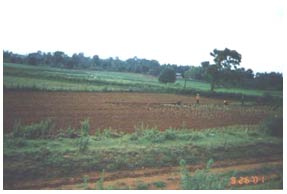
225,62
35,58
167,76
59,59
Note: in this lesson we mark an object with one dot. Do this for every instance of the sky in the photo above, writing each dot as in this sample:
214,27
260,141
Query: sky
181,32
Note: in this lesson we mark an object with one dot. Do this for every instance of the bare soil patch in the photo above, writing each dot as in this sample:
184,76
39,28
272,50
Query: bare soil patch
124,111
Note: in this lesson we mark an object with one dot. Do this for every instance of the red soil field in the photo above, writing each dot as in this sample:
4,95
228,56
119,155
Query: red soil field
124,111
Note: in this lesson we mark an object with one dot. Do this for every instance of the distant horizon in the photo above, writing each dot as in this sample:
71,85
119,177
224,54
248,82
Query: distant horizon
139,57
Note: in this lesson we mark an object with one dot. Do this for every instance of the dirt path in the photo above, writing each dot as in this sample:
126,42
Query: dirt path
124,111
125,178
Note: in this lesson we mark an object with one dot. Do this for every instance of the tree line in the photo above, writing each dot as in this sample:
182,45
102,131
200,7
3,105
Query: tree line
80,61
223,72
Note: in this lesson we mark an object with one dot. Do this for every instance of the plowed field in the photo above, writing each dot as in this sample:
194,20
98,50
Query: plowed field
124,111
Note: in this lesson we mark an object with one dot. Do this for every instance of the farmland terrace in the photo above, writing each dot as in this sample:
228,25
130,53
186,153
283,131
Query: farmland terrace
125,111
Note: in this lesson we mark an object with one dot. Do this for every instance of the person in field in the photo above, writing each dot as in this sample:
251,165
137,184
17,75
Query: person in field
197,98
225,102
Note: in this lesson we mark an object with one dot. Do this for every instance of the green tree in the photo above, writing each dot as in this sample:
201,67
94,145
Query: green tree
225,62
167,76
35,58
59,59
194,73
269,81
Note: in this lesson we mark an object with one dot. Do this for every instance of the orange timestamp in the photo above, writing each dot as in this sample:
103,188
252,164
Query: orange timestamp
246,180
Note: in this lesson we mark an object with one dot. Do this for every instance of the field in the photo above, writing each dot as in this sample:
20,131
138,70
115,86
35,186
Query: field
21,76
66,130
124,111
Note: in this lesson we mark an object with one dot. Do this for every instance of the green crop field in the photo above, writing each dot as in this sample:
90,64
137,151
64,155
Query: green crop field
54,79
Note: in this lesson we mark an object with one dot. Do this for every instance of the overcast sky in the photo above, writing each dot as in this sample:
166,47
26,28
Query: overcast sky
181,32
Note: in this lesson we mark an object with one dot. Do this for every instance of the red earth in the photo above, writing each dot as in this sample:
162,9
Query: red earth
124,111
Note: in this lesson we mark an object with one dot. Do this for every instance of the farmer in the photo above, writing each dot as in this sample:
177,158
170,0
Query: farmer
197,98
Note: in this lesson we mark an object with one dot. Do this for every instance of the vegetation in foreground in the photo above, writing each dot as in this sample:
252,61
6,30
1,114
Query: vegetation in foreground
205,179
69,153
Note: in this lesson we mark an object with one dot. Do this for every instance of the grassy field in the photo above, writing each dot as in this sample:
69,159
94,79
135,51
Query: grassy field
54,79
28,156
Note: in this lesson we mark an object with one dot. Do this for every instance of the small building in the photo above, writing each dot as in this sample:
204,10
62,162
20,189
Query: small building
178,76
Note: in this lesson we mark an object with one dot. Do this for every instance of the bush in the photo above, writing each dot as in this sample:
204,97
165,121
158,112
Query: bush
170,134
85,127
106,134
83,143
69,133
86,182
202,179
100,182
84,138
14,142
152,135
42,129
273,126
167,76
139,132
159,184
184,176
142,186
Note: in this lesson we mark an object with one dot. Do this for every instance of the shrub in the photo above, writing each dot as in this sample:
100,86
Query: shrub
19,142
69,133
107,133
159,184
167,76
17,129
142,186
84,138
42,129
139,132
83,143
14,142
85,127
184,176
170,134
86,182
134,137
100,182
153,135
273,125
202,179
